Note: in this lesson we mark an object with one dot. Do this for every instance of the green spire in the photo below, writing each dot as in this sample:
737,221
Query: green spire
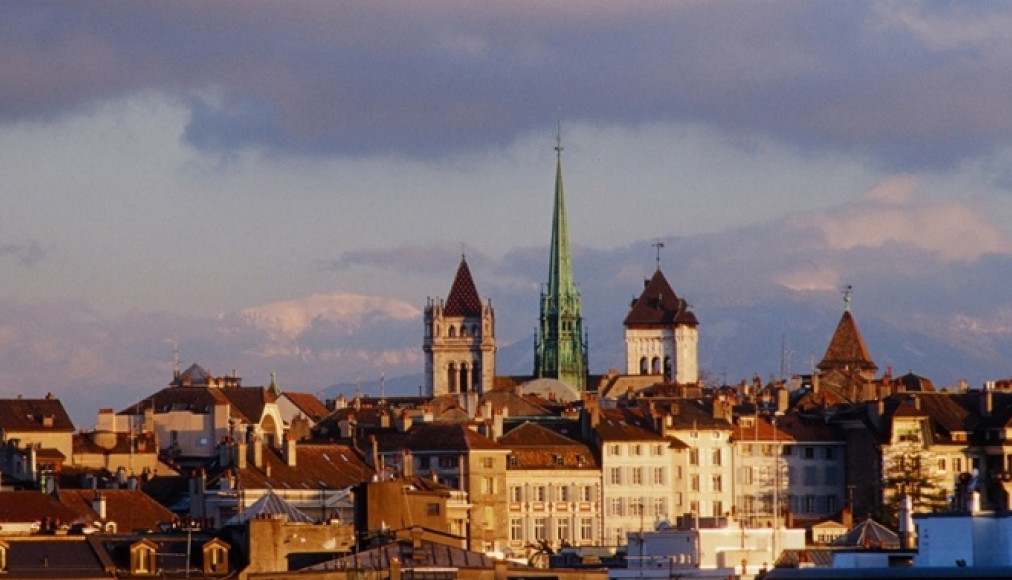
561,349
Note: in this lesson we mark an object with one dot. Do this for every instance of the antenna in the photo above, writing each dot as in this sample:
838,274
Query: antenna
383,381
658,244
558,135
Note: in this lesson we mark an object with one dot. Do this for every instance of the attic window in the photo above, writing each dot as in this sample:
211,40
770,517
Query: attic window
327,457
558,459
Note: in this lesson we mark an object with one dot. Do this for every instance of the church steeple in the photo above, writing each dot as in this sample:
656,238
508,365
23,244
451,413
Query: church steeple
561,349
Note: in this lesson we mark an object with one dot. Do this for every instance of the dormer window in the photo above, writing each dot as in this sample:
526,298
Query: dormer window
216,557
142,558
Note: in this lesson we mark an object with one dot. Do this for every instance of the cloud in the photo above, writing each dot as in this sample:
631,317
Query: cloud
888,214
904,86
26,254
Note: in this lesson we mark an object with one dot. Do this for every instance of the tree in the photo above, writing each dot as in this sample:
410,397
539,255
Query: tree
908,470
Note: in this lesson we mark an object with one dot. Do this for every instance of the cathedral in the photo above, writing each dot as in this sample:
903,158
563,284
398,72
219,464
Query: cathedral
459,345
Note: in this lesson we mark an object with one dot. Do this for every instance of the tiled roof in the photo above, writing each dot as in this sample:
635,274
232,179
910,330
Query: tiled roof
329,466
625,425
463,299
846,348
33,415
270,504
84,443
869,534
54,557
760,429
535,447
658,305
514,405
132,510
430,554
33,506
308,404
249,401
245,403
445,437
803,429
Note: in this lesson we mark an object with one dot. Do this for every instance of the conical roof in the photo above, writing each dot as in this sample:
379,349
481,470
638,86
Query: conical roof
659,305
463,299
269,505
846,349
869,534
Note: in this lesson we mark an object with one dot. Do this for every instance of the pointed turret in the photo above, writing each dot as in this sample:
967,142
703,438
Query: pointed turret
847,352
561,348
459,339
660,334
463,299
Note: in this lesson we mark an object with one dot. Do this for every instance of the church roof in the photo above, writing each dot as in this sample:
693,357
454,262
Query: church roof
659,305
846,348
463,299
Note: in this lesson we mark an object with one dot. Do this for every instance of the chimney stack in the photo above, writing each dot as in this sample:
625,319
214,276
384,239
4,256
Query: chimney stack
98,505
289,450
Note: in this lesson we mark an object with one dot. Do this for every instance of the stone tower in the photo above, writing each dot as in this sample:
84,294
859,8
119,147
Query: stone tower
561,348
459,341
661,334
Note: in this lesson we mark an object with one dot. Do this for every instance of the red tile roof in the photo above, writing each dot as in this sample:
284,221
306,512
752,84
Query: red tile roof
463,299
132,510
34,415
846,348
658,305
308,404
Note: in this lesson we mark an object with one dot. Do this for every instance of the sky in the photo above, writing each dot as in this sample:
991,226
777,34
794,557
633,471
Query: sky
279,188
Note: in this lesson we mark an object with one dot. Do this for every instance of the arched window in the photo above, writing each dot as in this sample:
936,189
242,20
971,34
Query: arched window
451,378
476,376
644,366
464,376
655,366
667,368
452,332
464,330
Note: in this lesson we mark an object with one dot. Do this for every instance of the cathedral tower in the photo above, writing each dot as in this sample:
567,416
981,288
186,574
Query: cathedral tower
561,348
459,341
660,334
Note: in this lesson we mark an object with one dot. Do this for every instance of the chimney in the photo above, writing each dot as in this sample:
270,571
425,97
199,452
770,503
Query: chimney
908,532
407,463
384,419
497,423
289,450
416,537
986,401
98,505
239,454
404,425
847,515
258,452
815,382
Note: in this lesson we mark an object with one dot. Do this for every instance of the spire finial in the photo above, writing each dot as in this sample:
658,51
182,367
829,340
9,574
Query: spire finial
658,244
847,293
558,137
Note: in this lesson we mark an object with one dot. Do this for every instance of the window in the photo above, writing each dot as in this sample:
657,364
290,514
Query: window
809,453
660,507
832,476
512,461
637,476
562,530
615,476
810,477
694,457
717,483
539,493
786,450
748,505
516,493
586,493
616,506
586,529
657,450
694,482
831,503
539,528
658,477
432,509
488,462
614,449
564,493
215,558
516,529
558,460
718,508
678,498
488,485
941,463
767,449
746,475
747,449
828,453
636,449
809,504
636,507
957,464
715,460
448,461
424,463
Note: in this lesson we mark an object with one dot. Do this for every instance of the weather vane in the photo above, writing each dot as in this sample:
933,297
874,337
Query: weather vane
658,245
847,292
